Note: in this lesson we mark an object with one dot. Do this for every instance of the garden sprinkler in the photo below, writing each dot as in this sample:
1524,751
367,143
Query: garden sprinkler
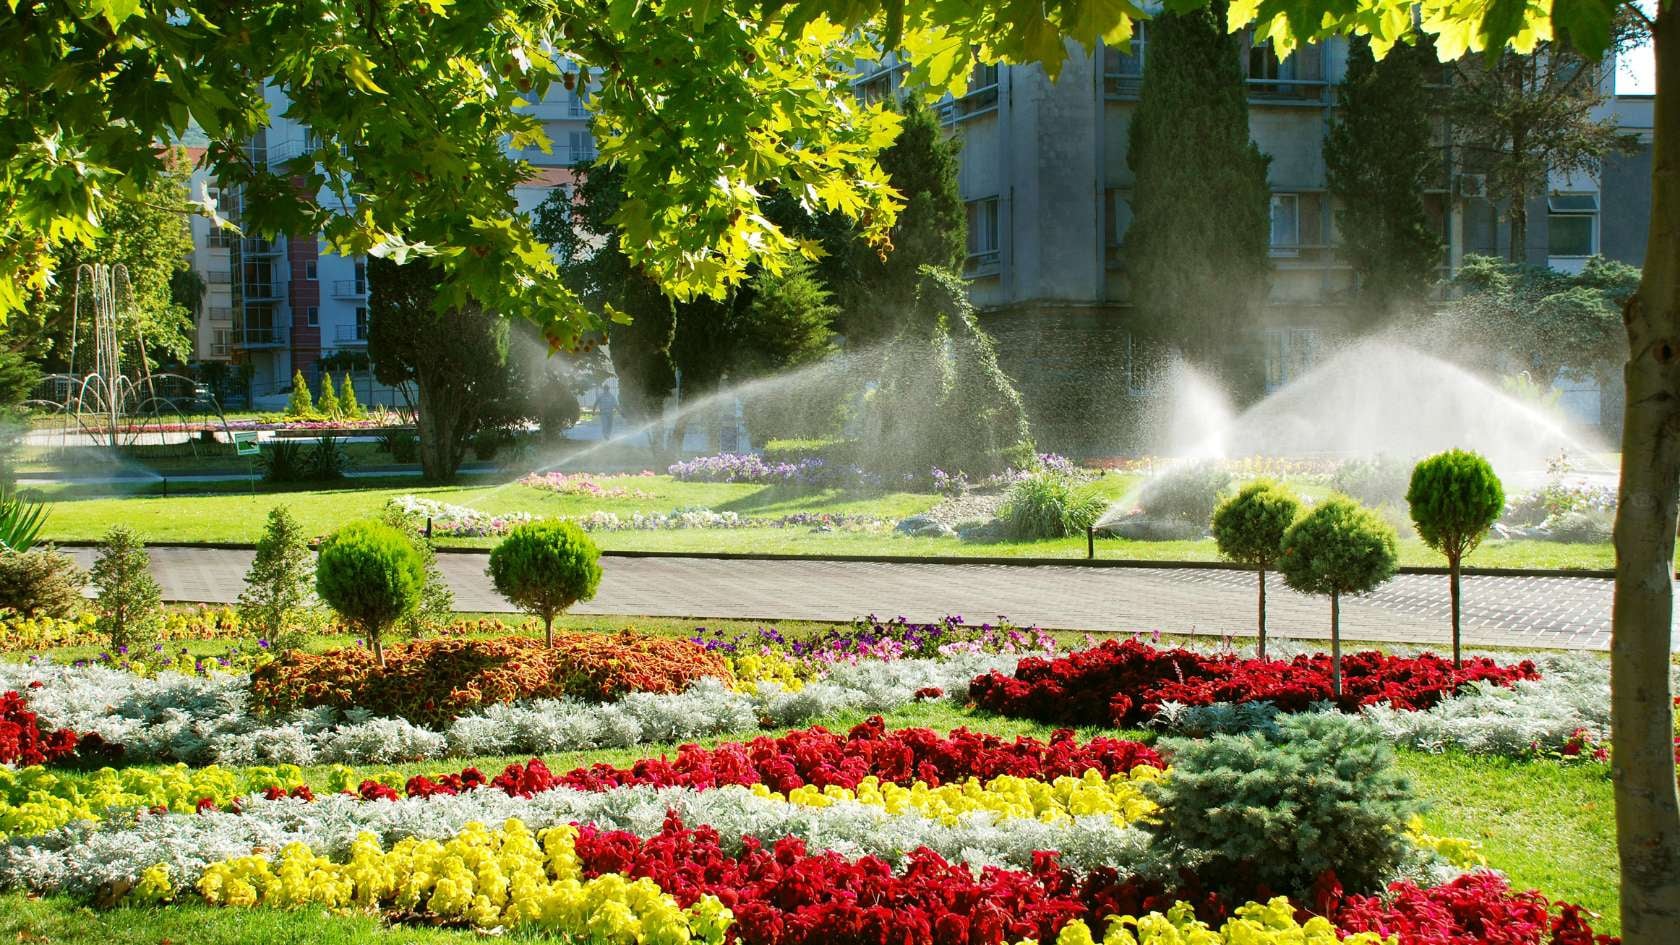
1090,543
428,528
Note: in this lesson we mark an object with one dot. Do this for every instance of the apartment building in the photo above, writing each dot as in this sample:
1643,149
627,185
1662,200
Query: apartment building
1043,172
283,305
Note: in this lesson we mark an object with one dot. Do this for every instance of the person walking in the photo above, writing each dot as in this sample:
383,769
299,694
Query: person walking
605,404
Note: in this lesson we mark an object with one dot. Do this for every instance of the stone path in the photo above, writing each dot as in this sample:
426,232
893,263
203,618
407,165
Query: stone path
1557,612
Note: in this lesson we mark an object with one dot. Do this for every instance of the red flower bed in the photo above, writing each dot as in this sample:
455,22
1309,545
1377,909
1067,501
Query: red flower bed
1474,909
784,894
817,757
1125,682
23,743
433,681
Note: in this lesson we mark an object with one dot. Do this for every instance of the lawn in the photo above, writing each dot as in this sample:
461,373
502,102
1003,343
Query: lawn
231,512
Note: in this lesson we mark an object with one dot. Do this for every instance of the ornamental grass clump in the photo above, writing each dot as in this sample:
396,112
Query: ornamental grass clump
1338,548
546,567
1455,498
370,573
1320,795
1248,528
1049,504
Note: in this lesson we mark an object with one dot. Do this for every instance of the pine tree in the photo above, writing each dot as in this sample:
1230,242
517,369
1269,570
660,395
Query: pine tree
1380,160
1197,247
932,230
302,405
328,404
128,598
790,324
347,401
279,587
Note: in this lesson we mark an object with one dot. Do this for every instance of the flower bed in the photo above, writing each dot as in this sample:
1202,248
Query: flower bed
872,638
812,472
459,521
583,484
438,680
1127,682
21,738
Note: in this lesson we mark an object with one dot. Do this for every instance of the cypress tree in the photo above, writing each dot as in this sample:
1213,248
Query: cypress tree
301,404
327,403
1197,247
1380,160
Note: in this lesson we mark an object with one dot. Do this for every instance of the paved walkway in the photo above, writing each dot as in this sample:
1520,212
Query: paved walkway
1572,613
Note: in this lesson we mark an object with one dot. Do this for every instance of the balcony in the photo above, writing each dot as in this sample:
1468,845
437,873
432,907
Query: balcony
349,289
1288,91
987,263
257,336
218,277
351,336
262,291
978,101
218,314
256,246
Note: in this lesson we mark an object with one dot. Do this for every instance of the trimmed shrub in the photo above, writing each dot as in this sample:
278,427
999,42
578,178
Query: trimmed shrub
434,681
1248,528
545,567
302,404
129,599
437,601
1320,795
1455,498
279,586
370,573
1048,505
1338,548
328,404
40,583
347,402
1187,494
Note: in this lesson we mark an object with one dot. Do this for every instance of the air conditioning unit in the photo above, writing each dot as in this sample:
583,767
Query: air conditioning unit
1472,185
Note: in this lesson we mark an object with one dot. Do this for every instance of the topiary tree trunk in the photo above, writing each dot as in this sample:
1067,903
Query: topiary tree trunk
1454,566
1260,647
1336,644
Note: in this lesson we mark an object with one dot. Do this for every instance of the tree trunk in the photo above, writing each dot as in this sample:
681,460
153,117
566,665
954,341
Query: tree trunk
1336,645
548,630
1452,579
438,417
1519,227
378,646
1260,651
1641,703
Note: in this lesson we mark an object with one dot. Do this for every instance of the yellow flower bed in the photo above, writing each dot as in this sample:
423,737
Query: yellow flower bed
489,878
34,800
1455,850
1120,796
41,633
754,668
1270,923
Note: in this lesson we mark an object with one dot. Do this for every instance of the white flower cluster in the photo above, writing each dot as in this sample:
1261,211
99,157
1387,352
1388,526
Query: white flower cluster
200,721
79,859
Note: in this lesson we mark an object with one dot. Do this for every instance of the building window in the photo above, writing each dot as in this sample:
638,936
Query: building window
982,236
311,271
1301,75
1123,71
1290,354
875,89
1572,224
1286,225
581,145
981,95
312,316
361,322
1117,219
360,279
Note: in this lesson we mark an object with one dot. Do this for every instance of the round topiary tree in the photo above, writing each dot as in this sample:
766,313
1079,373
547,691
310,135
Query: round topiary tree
1248,528
1455,498
372,576
1338,548
545,567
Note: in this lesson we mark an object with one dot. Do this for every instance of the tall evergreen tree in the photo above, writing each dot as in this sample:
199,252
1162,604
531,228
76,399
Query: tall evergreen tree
1379,161
874,291
1196,250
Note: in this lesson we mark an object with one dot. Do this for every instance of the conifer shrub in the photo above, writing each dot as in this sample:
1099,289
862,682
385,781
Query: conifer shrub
129,599
1455,497
371,574
347,402
40,583
1319,794
545,567
328,404
1248,528
276,603
301,405
1338,548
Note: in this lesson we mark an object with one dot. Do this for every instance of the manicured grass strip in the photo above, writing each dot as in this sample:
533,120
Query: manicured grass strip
1549,826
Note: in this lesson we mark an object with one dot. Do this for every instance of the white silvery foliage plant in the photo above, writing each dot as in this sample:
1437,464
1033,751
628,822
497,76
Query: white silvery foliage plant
203,721
81,858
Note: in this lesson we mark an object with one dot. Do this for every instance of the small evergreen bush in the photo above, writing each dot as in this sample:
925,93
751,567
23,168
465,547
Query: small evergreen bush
279,587
301,406
1048,504
347,402
437,601
1186,494
328,404
545,567
1340,547
371,574
129,599
1249,527
1455,497
1320,793
40,583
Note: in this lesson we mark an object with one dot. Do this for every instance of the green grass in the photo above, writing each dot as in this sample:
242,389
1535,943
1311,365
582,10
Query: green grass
230,512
